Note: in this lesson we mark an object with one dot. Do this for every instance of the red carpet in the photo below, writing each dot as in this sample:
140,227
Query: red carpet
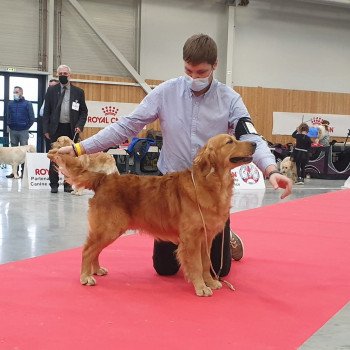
294,277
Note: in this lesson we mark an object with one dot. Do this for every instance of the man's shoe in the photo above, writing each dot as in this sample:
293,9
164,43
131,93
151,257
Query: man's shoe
11,176
300,181
68,188
54,189
236,246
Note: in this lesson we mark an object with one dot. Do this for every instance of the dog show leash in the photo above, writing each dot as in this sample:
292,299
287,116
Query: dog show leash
216,275
75,136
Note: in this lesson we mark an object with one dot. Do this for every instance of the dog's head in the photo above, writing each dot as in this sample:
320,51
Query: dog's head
286,166
224,152
62,141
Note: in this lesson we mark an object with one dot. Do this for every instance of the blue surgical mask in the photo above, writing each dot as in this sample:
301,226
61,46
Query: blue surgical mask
16,97
198,84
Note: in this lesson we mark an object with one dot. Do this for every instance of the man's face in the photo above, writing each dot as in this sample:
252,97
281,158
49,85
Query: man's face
63,71
52,83
17,91
202,70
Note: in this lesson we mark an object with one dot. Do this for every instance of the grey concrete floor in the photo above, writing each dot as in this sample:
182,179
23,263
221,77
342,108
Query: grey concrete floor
36,222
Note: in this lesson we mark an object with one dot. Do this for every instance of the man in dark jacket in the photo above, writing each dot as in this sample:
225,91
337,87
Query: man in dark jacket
65,114
20,117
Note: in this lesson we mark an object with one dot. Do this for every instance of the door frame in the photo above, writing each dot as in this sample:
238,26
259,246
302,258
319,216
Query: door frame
42,82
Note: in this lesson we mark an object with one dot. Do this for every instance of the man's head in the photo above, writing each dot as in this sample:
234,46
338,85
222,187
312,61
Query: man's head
63,73
53,82
200,48
200,59
17,93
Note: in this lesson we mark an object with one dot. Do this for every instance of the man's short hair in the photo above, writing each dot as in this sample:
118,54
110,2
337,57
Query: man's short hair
19,88
64,66
53,81
200,48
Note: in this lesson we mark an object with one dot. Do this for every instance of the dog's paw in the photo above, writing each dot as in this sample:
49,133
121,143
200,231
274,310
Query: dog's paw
213,284
77,192
101,271
87,280
204,291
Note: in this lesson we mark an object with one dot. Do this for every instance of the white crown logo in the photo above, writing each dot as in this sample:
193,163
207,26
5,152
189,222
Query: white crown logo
109,110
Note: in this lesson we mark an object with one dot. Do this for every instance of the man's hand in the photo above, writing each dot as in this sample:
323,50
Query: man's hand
66,150
77,130
280,181
47,135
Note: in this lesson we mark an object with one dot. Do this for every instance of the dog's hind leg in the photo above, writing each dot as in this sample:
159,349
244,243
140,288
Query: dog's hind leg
189,256
208,279
15,170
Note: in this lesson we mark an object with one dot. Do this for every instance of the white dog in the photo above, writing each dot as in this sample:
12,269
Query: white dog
15,156
288,168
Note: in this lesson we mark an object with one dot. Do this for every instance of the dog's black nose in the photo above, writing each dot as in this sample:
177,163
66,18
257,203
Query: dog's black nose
253,145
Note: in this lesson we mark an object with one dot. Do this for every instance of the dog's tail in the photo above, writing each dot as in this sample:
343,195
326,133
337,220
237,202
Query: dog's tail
75,173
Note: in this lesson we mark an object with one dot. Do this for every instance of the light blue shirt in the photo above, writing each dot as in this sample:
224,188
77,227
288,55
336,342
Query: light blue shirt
187,122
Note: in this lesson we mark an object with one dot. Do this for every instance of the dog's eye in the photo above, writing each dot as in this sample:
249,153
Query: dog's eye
230,141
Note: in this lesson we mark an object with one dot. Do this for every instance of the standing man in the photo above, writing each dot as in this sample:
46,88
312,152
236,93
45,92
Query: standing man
20,118
65,114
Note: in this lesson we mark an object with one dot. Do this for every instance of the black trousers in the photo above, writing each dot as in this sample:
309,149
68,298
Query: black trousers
301,159
64,129
165,262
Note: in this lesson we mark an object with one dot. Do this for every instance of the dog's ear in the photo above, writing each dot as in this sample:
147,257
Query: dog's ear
204,161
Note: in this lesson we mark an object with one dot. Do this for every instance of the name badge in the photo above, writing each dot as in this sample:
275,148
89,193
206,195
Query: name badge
75,106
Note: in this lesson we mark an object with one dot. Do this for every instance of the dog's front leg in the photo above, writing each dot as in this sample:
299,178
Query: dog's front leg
208,279
189,256
90,262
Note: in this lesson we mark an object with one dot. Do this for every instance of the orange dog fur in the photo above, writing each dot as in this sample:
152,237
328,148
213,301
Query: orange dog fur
99,162
166,207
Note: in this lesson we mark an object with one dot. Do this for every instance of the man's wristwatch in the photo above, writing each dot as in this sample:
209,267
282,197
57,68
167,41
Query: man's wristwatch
272,172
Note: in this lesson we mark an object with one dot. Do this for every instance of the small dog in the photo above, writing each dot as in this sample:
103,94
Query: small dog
188,207
98,162
289,168
15,156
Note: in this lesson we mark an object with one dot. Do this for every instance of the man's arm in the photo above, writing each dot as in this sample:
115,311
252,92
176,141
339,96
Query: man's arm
263,158
83,112
31,114
126,127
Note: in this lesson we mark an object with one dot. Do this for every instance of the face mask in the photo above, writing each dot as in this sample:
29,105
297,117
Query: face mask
198,84
63,79
16,97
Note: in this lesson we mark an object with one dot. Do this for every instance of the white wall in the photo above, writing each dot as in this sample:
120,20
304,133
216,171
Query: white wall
279,43
292,45
165,26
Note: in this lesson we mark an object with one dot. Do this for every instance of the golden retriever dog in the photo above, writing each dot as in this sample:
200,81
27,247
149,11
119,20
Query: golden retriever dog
15,156
62,141
188,207
98,162
289,168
